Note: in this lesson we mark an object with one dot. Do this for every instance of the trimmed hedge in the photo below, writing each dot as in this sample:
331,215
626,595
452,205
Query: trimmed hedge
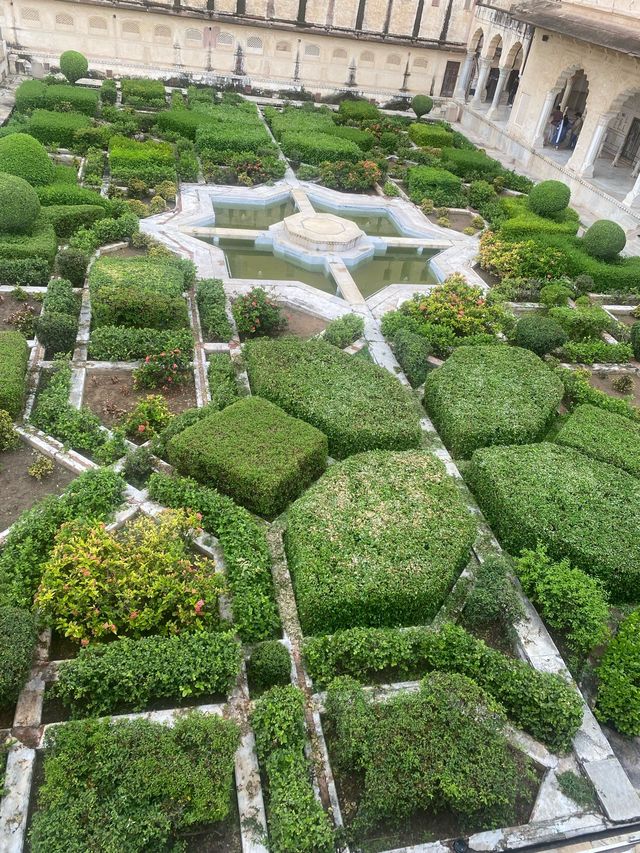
143,93
430,135
319,148
32,94
71,194
73,65
487,395
379,540
618,699
603,435
151,162
269,665
244,545
470,165
604,239
412,351
523,222
57,129
596,352
211,301
582,324
356,404
121,343
254,452
14,357
549,198
635,339
344,331
24,272
539,334
19,205
441,186
104,678
580,508
22,155
41,242
545,705
18,637
68,218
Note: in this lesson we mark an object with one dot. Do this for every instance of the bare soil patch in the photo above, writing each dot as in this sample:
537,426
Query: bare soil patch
301,324
19,489
602,381
12,310
458,221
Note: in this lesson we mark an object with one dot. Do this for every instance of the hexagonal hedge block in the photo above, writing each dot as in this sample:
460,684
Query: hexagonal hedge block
253,452
378,541
489,395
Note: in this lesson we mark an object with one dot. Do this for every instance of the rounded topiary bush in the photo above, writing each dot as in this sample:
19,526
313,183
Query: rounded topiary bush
604,239
539,334
24,156
19,204
73,65
269,665
549,197
421,105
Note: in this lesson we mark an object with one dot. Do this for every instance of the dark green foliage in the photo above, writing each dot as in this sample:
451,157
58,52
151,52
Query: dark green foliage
14,355
122,343
582,324
244,544
578,789
179,423
444,748
29,95
138,292
488,395
211,301
441,186
430,135
358,110
544,705
138,466
618,699
356,404
549,197
105,678
151,162
297,821
94,494
143,93
254,452
60,297
578,507
24,272
523,223
33,94
470,165
108,91
319,148
73,65
421,105
57,129
604,239
24,156
540,334
56,332
567,598
18,636
481,193
131,784
269,665
39,242
344,331
67,218
493,597
635,339
596,352
380,540
603,435
412,351
72,264
223,384
19,205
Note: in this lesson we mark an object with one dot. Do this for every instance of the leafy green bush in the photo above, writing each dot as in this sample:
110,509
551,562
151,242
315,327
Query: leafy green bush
9,436
211,300
24,272
256,314
30,94
143,93
567,598
94,494
539,334
57,332
421,105
25,157
412,351
67,219
578,788
73,65
150,161
491,395
618,699
69,194
244,544
582,324
14,355
104,678
319,148
19,205
356,404
138,292
132,784
348,571
18,637
603,435
81,100
40,242
470,165
430,135
57,129
297,821
443,187
348,176
358,110
223,384
108,91
549,197
542,704
122,343
175,593
596,352
635,339
544,493
344,331
455,734
604,239
105,231
521,260
493,597
254,452
555,294
523,223
269,665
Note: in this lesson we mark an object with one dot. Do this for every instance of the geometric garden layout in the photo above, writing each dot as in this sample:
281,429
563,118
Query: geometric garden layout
364,583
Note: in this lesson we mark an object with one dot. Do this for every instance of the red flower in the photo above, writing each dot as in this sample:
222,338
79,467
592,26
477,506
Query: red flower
198,606
141,428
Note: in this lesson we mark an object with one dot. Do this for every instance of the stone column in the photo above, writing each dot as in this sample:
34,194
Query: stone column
584,157
567,94
502,82
460,93
543,119
633,193
483,74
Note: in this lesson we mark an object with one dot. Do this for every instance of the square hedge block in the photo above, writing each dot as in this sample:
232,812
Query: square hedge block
253,452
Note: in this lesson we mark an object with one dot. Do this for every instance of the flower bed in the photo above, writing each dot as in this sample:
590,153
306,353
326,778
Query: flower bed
379,540
358,405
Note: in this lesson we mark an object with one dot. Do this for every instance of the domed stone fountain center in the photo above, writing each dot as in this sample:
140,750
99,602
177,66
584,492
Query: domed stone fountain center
322,232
